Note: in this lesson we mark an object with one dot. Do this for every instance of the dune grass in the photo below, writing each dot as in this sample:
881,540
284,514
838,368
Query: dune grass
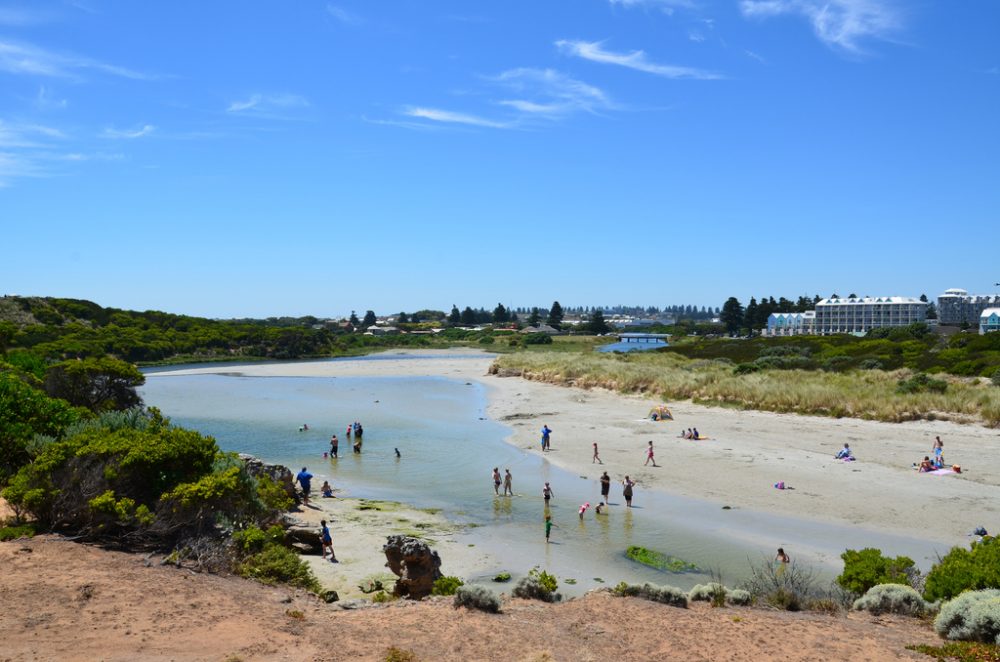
867,394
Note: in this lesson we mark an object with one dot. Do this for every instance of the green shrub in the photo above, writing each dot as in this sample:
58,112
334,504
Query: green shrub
276,564
486,340
394,654
837,363
477,597
446,585
921,383
787,586
965,569
963,651
253,539
996,378
871,364
738,596
15,532
706,592
537,339
972,616
537,585
502,577
892,599
667,595
868,567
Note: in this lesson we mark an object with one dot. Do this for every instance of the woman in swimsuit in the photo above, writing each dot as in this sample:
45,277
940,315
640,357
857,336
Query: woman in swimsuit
605,486
507,478
627,491
496,480
547,493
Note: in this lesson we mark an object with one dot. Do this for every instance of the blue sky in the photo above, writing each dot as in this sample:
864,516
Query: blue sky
253,159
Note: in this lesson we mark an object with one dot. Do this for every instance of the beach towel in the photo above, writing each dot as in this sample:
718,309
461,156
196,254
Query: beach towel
942,472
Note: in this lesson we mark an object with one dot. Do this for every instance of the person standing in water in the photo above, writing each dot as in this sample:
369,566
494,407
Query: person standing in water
548,526
605,486
496,480
334,445
508,490
597,458
649,455
547,494
627,486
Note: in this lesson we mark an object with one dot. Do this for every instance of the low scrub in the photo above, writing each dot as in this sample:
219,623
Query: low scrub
963,651
713,592
972,616
739,597
667,595
446,585
15,532
892,599
537,585
786,586
477,597
276,564
965,569
868,567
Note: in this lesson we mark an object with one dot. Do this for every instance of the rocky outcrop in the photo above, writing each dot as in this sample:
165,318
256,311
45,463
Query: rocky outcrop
305,539
416,565
280,474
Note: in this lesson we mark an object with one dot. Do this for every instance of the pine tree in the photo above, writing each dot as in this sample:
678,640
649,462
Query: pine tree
597,324
468,316
355,322
732,315
403,318
500,315
369,319
534,318
752,315
455,317
555,315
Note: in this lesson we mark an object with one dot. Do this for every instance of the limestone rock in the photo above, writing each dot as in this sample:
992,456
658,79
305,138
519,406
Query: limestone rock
305,539
415,563
280,474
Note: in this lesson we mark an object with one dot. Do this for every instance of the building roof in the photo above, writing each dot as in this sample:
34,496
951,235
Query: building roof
990,311
955,291
871,301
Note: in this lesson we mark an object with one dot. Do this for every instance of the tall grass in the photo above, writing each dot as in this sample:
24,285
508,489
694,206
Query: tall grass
868,394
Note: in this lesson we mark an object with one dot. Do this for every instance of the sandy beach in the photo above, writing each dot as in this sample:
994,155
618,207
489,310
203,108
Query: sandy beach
746,454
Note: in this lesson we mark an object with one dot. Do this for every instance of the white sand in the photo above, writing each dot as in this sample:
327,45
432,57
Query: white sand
748,451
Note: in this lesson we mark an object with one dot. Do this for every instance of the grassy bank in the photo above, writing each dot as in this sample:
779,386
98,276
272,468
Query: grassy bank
869,394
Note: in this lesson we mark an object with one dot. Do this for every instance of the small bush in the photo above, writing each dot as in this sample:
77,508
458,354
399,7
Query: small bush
667,595
784,586
871,364
486,340
537,339
446,585
963,651
477,597
921,383
965,569
277,564
972,616
538,585
706,592
502,577
394,654
737,596
868,567
15,532
891,599
996,378
252,539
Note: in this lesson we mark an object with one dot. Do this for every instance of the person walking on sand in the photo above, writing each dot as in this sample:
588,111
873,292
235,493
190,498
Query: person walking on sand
548,527
303,478
605,486
597,457
627,486
547,494
508,490
327,542
649,455
334,445
546,432
938,447
496,480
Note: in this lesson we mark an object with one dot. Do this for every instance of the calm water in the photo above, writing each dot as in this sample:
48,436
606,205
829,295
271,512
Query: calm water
449,447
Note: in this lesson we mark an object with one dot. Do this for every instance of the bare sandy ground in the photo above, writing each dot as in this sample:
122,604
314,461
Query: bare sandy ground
747,452
66,601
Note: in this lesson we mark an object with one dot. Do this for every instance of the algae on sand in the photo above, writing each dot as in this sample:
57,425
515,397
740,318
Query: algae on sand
659,560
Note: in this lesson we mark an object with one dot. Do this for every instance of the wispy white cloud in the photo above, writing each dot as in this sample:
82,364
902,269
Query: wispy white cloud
268,106
45,100
27,59
837,23
26,135
666,6
128,134
342,15
549,93
452,117
754,56
594,51
695,36
22,16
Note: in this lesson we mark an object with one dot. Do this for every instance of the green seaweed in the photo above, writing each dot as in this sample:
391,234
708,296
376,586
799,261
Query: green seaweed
659,560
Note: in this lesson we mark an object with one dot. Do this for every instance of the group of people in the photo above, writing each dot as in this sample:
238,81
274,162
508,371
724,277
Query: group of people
929,464
690,433
358,432
508,489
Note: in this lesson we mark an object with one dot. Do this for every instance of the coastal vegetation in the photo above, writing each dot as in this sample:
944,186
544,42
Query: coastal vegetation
867,568
668,595
868,394
477,597
659,560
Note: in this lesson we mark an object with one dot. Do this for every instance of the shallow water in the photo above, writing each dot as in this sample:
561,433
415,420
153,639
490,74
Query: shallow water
449,447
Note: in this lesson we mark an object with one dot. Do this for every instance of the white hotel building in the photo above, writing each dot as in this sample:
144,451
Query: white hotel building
956,306
860,314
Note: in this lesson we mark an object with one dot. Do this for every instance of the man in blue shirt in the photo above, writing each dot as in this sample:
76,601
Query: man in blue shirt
304,479
545,437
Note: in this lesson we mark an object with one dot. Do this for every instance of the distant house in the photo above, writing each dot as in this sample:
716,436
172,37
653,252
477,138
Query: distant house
790,324
382,331
989,320
541,328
